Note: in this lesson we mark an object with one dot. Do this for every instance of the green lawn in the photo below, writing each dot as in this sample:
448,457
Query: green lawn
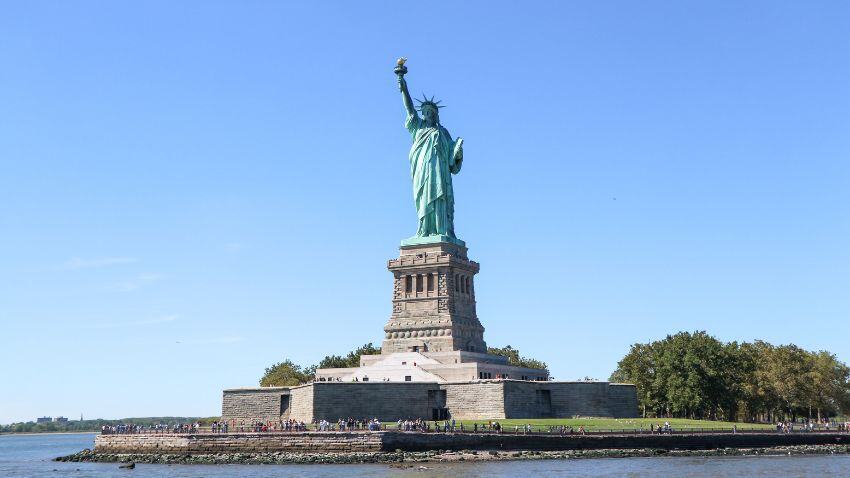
592,424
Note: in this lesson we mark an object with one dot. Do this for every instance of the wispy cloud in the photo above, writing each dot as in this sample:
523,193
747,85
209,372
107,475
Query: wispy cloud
79,263
233,246
136,323
230,339
138,282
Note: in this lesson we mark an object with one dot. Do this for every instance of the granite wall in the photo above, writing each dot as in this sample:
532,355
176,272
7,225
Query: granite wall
301,403
387,401
251,404
622,400
475,400
390,401
569,399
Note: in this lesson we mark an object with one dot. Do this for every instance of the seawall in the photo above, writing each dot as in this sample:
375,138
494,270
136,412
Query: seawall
302,442
702,441
388,441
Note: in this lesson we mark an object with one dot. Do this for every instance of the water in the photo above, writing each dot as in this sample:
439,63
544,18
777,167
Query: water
30,455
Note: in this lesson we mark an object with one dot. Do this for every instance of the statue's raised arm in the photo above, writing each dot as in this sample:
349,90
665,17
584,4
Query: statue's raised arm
400,70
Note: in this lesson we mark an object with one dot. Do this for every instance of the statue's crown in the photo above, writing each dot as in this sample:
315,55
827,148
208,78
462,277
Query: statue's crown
425,102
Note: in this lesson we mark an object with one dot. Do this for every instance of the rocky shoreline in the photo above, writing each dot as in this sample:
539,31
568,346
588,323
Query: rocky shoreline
403,457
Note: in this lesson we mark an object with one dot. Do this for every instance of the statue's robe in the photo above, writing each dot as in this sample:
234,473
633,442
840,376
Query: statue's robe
434,157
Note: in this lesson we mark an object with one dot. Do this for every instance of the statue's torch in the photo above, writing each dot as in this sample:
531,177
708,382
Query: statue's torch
400,69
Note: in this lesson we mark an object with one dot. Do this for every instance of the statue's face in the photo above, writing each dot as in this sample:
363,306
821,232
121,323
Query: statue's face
430,115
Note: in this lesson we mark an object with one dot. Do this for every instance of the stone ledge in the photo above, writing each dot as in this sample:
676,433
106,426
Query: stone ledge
352,442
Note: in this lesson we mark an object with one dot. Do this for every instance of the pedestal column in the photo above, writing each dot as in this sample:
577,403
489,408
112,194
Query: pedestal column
438,320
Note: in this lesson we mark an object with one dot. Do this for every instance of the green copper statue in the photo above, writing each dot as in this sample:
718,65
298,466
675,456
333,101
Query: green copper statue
434,157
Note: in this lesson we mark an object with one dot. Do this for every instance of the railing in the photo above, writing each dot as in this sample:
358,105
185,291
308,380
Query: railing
505,430
646,431
239,428
575,431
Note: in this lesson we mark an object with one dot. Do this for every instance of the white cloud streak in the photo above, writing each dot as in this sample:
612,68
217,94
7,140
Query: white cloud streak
137,323
213,340
138,282
77,263
233,246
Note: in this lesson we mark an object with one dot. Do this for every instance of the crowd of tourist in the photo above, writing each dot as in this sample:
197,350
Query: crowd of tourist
447,426
812,425
349,424
123,428
657,428
414,425
289,425
219,426
418,425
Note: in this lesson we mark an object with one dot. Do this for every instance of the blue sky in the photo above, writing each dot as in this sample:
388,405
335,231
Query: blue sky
192,191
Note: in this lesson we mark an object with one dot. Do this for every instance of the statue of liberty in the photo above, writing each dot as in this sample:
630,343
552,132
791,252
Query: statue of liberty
434,157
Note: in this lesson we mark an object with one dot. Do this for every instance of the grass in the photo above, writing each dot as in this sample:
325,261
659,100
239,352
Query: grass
591,424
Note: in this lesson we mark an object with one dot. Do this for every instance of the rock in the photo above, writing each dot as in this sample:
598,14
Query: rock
277,457
128,466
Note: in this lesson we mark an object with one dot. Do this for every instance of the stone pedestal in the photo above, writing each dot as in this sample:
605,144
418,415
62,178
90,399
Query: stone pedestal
433,300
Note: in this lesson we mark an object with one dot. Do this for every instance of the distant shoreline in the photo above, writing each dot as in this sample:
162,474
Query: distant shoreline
95,425
49,433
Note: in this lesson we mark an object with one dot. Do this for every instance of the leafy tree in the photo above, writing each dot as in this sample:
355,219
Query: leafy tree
639,367
286,374
350,360
688,374
514,357
829,383
695,375
788,369
757,395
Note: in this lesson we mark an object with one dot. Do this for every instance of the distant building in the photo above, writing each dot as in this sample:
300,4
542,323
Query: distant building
60,419
43,420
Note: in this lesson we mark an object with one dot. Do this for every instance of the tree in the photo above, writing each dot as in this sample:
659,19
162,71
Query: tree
350,360
758,397
514,358
788,369
638,367
695,375
688,374
286,374
829,383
